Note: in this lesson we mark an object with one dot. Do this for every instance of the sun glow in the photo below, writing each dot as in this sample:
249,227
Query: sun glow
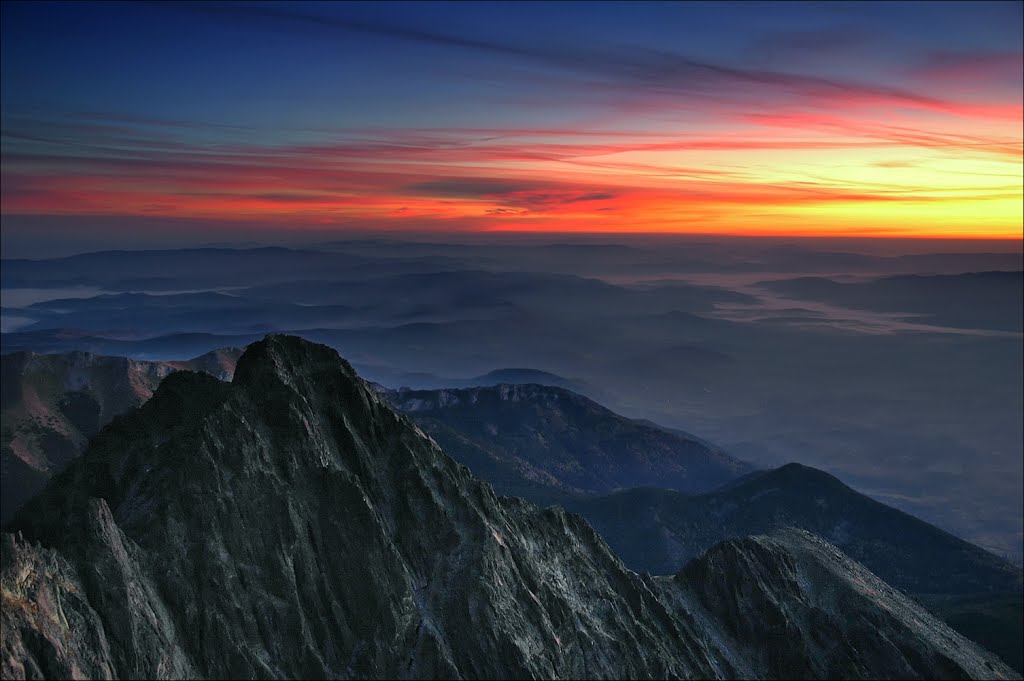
929,145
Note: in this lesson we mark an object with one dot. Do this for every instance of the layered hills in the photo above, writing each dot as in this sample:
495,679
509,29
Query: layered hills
290,524
983,300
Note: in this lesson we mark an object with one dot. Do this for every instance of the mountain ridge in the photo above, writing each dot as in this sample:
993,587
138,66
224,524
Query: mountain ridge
52,404
906,551
557,437
291,524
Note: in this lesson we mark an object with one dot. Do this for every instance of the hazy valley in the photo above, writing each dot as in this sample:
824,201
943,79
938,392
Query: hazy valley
897,411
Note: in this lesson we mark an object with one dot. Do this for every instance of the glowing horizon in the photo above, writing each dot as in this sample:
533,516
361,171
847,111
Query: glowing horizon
878,139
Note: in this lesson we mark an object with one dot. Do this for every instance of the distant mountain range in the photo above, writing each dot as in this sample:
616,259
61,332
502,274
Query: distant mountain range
419,380
530,439
226,265
290,524
633,327
657,529
983,300
663,497
522,376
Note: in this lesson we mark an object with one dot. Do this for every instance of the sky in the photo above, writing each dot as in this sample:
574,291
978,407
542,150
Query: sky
832,118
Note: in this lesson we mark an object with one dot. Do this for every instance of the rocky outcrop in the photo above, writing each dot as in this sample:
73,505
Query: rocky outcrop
797,607
291,525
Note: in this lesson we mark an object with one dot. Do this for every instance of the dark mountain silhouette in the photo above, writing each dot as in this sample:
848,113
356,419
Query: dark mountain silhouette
524,375
140,315
51,405
290,524
168,269
521,436
64,340
555,447
422,380
984,300
657,530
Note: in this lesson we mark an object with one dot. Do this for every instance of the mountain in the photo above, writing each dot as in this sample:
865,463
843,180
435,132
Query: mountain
522,375
54,403
290,524
169,269
983,300
520,436
50,405
53,341
657,530
392,377
140,315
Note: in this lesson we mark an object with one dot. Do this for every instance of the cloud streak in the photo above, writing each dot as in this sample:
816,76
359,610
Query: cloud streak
709,140
638,72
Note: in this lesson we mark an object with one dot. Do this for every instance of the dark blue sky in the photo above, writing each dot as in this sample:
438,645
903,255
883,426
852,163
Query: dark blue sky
91,87
303,64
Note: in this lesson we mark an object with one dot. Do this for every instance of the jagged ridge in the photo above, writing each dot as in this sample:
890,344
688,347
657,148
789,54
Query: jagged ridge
291,525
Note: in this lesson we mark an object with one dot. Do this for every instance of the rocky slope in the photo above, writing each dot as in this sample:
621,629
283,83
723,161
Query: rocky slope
290,524
50,405
658,530
520,437
802,609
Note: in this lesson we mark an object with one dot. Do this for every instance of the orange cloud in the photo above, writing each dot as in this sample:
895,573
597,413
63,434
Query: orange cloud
790,171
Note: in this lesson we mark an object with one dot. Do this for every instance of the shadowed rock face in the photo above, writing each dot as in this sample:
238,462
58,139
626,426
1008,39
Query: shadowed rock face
290,524
51,405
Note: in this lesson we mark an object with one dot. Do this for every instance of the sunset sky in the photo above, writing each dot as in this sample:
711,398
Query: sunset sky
832,118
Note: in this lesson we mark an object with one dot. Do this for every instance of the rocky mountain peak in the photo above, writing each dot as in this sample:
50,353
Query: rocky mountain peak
289,360
291,525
